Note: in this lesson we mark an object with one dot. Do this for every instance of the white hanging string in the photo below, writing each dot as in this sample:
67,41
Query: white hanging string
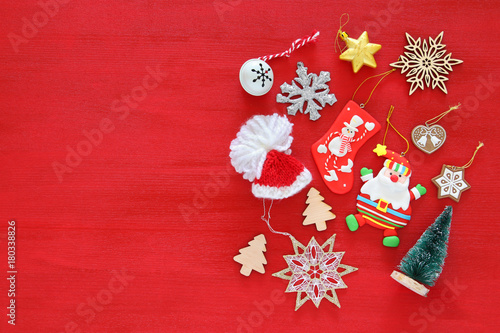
263,217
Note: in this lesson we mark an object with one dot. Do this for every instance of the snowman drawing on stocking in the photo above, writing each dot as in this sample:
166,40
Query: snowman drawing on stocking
340,146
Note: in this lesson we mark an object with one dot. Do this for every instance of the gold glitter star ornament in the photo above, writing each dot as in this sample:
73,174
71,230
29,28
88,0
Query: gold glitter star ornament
359,51
314,272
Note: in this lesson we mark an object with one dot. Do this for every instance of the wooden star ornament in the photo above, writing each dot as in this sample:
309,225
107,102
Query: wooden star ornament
359,51
451,182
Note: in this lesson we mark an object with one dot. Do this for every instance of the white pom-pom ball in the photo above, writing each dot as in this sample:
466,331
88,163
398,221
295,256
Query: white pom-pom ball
256,138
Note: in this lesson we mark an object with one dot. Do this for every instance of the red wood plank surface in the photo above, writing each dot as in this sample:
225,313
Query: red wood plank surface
135,103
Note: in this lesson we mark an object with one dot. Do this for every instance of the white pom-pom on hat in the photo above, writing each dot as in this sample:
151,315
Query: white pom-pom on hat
256,138
261,153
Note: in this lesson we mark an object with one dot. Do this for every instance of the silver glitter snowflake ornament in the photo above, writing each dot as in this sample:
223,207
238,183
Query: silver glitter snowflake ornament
426,63
307,88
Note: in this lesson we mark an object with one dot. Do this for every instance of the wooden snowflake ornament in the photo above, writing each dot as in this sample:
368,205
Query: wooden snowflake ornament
425,63
314,272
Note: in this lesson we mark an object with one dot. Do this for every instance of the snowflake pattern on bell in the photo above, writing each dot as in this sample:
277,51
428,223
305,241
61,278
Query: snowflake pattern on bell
314,272
262,74
426,63
451,182
307,88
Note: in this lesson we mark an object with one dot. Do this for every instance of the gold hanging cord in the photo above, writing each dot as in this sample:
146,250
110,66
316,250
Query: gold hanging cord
391,110
440,116
362,105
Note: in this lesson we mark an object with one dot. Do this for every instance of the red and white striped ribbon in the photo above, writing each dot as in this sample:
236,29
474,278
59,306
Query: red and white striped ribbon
295,45
345,143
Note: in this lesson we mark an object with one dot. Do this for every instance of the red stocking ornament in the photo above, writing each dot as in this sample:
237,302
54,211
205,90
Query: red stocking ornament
334,153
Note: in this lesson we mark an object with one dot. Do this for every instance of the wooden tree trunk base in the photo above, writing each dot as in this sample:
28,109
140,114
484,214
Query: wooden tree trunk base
411,284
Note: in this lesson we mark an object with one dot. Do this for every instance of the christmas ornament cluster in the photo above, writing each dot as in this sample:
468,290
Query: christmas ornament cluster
262,153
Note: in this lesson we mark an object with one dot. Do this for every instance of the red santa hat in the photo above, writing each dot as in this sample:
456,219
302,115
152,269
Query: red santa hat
261,153
394,161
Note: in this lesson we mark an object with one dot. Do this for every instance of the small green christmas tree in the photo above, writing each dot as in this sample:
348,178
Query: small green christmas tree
424,261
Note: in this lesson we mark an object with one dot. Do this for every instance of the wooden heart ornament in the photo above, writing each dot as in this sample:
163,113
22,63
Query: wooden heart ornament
428,138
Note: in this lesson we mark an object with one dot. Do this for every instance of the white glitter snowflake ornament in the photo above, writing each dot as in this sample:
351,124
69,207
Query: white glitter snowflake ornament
451,182
314,272
307,88
426,63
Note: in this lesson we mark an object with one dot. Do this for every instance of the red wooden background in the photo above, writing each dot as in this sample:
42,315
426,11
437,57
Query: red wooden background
137,232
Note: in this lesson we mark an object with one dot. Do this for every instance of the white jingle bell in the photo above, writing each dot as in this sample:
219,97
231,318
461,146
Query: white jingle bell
256,77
